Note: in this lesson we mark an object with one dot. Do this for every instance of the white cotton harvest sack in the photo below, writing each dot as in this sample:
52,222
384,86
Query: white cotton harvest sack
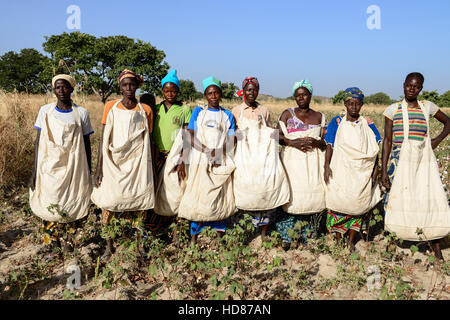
417,199
62,177
169,191
209,195
355,151
259,181
127,183
304,171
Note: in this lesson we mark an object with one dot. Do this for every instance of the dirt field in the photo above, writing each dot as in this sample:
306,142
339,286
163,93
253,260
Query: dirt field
240,265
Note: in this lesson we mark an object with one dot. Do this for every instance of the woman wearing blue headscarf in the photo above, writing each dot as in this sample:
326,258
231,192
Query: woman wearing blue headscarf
350,169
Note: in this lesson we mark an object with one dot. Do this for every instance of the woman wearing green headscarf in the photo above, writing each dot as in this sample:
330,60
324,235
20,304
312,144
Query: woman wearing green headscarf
301,135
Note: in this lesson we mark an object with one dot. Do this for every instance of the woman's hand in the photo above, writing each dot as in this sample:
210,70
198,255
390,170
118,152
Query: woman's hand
327,174
238,134
385,181
304,144
32,181
181,171
215,157
98,177
434,143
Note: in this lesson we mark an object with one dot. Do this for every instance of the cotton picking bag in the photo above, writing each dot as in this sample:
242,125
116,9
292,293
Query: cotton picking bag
169,191
417,198
62,177
259,181
305,173
355,151
209,196
127,183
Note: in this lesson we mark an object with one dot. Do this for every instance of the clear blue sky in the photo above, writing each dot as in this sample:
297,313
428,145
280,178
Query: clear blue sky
280,42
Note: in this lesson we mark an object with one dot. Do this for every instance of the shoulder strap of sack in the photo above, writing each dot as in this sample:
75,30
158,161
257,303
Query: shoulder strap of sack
322,124
76,114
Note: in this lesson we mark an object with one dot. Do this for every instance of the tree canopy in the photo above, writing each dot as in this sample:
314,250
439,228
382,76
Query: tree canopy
26,71
96,62
228,90
188,91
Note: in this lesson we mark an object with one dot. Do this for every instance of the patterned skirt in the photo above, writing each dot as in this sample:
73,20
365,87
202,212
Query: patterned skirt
285,222
395,157
337,222
54,231
260,218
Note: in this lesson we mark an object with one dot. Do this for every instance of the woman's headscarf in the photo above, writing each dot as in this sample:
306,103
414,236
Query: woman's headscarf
66,77
171,77
130,74
303,83
248,80
211,81
353,92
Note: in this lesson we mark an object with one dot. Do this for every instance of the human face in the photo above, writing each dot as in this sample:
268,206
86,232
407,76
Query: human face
128,87
353,107
170,92
213,95
412,88
303,97
63,90
251,93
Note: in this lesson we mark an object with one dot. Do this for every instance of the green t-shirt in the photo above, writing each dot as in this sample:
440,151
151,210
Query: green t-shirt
166,124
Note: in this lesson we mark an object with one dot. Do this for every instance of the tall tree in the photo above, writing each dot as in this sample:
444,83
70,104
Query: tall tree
26,71
97,62
188,91
432,96
379,98
228,90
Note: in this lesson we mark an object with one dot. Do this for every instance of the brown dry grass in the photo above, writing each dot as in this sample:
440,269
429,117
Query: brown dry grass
18,113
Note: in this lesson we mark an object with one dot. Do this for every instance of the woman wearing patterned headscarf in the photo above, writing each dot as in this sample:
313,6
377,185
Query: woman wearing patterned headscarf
124,176
60,181
259,181
350,169
301,135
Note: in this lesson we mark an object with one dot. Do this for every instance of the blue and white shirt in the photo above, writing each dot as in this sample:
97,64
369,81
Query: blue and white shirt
212,119
330,136
66,116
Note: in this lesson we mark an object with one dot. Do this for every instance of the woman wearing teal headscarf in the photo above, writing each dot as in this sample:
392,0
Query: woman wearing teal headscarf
209,199
301,135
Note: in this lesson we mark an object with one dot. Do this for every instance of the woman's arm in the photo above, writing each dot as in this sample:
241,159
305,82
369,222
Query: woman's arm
386,152
87,147
327,174
375,172
445,120
32,182
99,171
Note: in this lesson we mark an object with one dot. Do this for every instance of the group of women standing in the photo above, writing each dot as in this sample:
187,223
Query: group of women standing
160,162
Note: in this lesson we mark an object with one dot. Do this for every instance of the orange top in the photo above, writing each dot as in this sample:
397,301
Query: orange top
147,109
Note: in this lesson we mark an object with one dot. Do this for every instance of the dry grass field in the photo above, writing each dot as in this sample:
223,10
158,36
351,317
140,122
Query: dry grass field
242,266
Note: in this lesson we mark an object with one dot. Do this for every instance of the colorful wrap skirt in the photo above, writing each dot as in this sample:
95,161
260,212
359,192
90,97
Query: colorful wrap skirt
338,222
286,222
393,163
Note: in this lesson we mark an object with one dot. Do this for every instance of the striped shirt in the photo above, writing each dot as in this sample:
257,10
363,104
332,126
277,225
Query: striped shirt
417,123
